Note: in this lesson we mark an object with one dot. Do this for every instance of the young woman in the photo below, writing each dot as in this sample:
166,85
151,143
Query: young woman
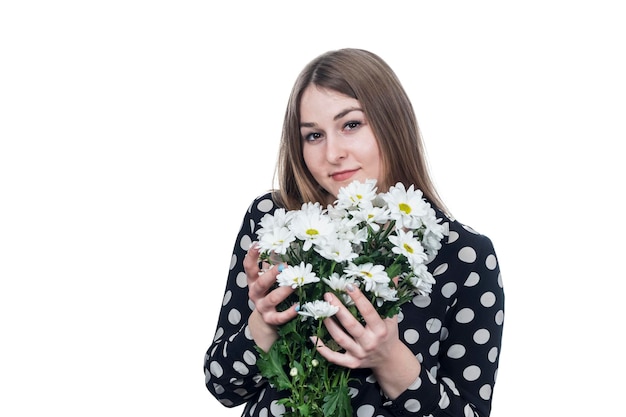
348,118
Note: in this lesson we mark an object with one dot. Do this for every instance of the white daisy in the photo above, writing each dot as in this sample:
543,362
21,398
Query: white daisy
409,246
338,250
383,293
297,276
340,284
318,309
406,206
356,194
311,226
276,240
371,215
423,280
369,273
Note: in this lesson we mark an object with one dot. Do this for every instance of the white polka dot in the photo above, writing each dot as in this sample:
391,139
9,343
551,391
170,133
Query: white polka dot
469,229
245,242
444,400
422,301
500,317
485,392
265,205
219,333
440,269
227,296
263,412
471,373
416,384
456,351
432,375
465,315
233,261
412,405
433,325
249,357
467,254
242,280
472,279
467,410
411,336
491,262
481,336
450,383
488,299
448,290
434,349
493,354
277,409
453,237
216,369
241,368
444,334
234,316
366,410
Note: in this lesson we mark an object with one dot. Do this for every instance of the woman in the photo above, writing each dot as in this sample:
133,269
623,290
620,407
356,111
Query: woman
348,118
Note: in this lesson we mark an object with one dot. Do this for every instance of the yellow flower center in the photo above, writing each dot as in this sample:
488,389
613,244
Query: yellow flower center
408,248
312,232
405,208
367,274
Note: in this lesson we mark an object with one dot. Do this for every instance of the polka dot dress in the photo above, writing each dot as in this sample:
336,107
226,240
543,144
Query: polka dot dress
455,333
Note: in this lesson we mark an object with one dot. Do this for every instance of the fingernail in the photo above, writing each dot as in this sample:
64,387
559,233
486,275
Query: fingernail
281,267
297,307
350,287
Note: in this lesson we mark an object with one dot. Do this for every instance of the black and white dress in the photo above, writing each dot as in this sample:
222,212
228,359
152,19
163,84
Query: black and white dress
455,332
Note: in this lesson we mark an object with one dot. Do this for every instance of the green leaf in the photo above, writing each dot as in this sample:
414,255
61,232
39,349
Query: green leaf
271,364
337,403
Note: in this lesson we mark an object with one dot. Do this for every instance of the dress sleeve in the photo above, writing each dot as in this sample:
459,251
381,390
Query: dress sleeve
469,349
230,370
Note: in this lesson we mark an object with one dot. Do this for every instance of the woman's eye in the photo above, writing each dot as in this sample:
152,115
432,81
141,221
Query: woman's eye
312,137
351,125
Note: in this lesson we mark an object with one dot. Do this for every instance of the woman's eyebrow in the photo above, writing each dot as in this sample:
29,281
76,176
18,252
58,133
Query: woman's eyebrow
346,111
337,116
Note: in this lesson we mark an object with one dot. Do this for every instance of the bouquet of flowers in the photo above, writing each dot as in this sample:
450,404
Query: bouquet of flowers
364,239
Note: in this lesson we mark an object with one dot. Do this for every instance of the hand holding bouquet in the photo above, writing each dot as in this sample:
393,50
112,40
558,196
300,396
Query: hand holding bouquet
364,239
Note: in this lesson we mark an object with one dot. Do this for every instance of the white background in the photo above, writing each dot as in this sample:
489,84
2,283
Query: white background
134,134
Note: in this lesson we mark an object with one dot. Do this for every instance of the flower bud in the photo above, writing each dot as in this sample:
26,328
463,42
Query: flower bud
293,372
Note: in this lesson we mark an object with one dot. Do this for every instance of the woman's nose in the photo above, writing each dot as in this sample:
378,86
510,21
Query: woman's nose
335,148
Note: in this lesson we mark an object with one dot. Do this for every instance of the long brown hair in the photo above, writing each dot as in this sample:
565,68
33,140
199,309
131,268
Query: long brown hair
364,76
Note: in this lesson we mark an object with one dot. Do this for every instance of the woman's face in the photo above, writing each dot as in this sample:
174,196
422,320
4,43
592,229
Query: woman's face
338,144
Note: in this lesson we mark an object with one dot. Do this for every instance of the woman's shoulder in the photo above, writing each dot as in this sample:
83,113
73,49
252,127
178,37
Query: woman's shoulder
465,241
264,203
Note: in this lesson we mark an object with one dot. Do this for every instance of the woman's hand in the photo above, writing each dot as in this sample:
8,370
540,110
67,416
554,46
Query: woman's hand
376,345
265,317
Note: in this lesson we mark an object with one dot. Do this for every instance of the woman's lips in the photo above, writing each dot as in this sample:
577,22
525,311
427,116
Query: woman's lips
343,175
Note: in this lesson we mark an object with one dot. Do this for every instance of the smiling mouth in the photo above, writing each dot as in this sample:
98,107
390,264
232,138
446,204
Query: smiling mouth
343,175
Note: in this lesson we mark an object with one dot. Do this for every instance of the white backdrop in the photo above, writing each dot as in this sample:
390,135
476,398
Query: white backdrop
133,135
